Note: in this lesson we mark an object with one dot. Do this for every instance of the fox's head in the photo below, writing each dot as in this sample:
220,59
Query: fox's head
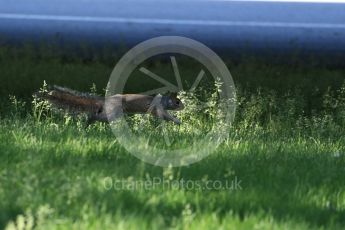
171,102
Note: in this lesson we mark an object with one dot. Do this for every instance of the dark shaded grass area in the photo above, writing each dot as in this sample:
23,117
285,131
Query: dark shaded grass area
24,69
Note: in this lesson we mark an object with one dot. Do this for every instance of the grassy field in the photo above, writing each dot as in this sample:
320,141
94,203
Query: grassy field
282,166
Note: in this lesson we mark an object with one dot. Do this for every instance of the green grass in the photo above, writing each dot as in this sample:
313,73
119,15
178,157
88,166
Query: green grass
287,181
286,148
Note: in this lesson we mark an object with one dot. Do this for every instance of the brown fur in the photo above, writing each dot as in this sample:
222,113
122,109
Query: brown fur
96,109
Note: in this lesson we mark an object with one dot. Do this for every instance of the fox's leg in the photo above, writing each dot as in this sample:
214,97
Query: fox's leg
92,118
169,117
156,109
163,114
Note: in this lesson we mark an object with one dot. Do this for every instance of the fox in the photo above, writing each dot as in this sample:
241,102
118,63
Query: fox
107,109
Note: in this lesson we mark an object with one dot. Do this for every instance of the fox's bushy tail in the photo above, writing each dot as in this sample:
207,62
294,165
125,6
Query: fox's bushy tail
72,100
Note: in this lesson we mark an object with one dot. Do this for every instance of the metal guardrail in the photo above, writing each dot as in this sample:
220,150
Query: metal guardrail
313,26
